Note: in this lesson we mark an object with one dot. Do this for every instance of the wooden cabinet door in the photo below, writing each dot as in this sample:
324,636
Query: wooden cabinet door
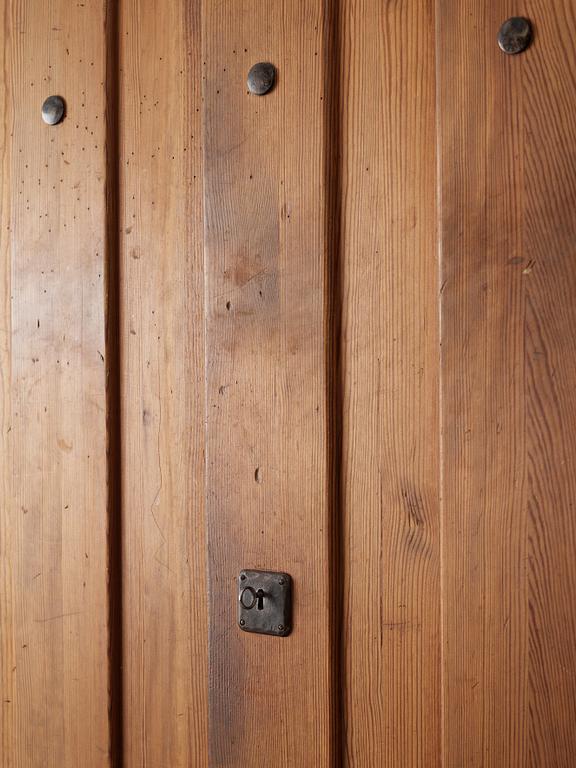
326,331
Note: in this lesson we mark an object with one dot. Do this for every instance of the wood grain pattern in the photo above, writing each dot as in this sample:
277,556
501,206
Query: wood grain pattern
339,334
507,172
162,336
390,375
53,512
266,261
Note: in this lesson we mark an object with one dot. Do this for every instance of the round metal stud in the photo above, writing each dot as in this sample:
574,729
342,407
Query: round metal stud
53,110
515,35
261,78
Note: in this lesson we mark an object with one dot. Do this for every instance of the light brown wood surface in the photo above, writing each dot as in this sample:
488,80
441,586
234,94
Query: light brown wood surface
390,374
508,234
267,453
327,331
53,508
162,386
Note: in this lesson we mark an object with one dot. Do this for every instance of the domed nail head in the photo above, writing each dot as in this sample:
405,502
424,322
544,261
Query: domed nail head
261,78
515,35
53,110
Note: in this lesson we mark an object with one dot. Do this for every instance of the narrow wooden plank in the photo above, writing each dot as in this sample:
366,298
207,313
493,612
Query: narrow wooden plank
508,170
162,337
390,380
266,259
53,543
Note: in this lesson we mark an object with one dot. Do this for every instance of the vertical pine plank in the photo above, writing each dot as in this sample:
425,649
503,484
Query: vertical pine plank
507,171
266,262
550,360
390,385
162,336
53,512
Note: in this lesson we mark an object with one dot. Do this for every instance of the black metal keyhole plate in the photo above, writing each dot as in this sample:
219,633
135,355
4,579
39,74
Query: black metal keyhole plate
265,602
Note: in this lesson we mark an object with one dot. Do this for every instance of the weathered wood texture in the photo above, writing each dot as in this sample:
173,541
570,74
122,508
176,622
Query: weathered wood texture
162,386
508,234
266,262
53,511
288,327
390,374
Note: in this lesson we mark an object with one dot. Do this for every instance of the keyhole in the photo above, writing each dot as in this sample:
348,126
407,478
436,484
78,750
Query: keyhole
255,598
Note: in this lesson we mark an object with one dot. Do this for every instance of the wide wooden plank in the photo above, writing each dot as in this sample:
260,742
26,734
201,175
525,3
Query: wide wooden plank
266,262
390,374
162,392
53,511
508,195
